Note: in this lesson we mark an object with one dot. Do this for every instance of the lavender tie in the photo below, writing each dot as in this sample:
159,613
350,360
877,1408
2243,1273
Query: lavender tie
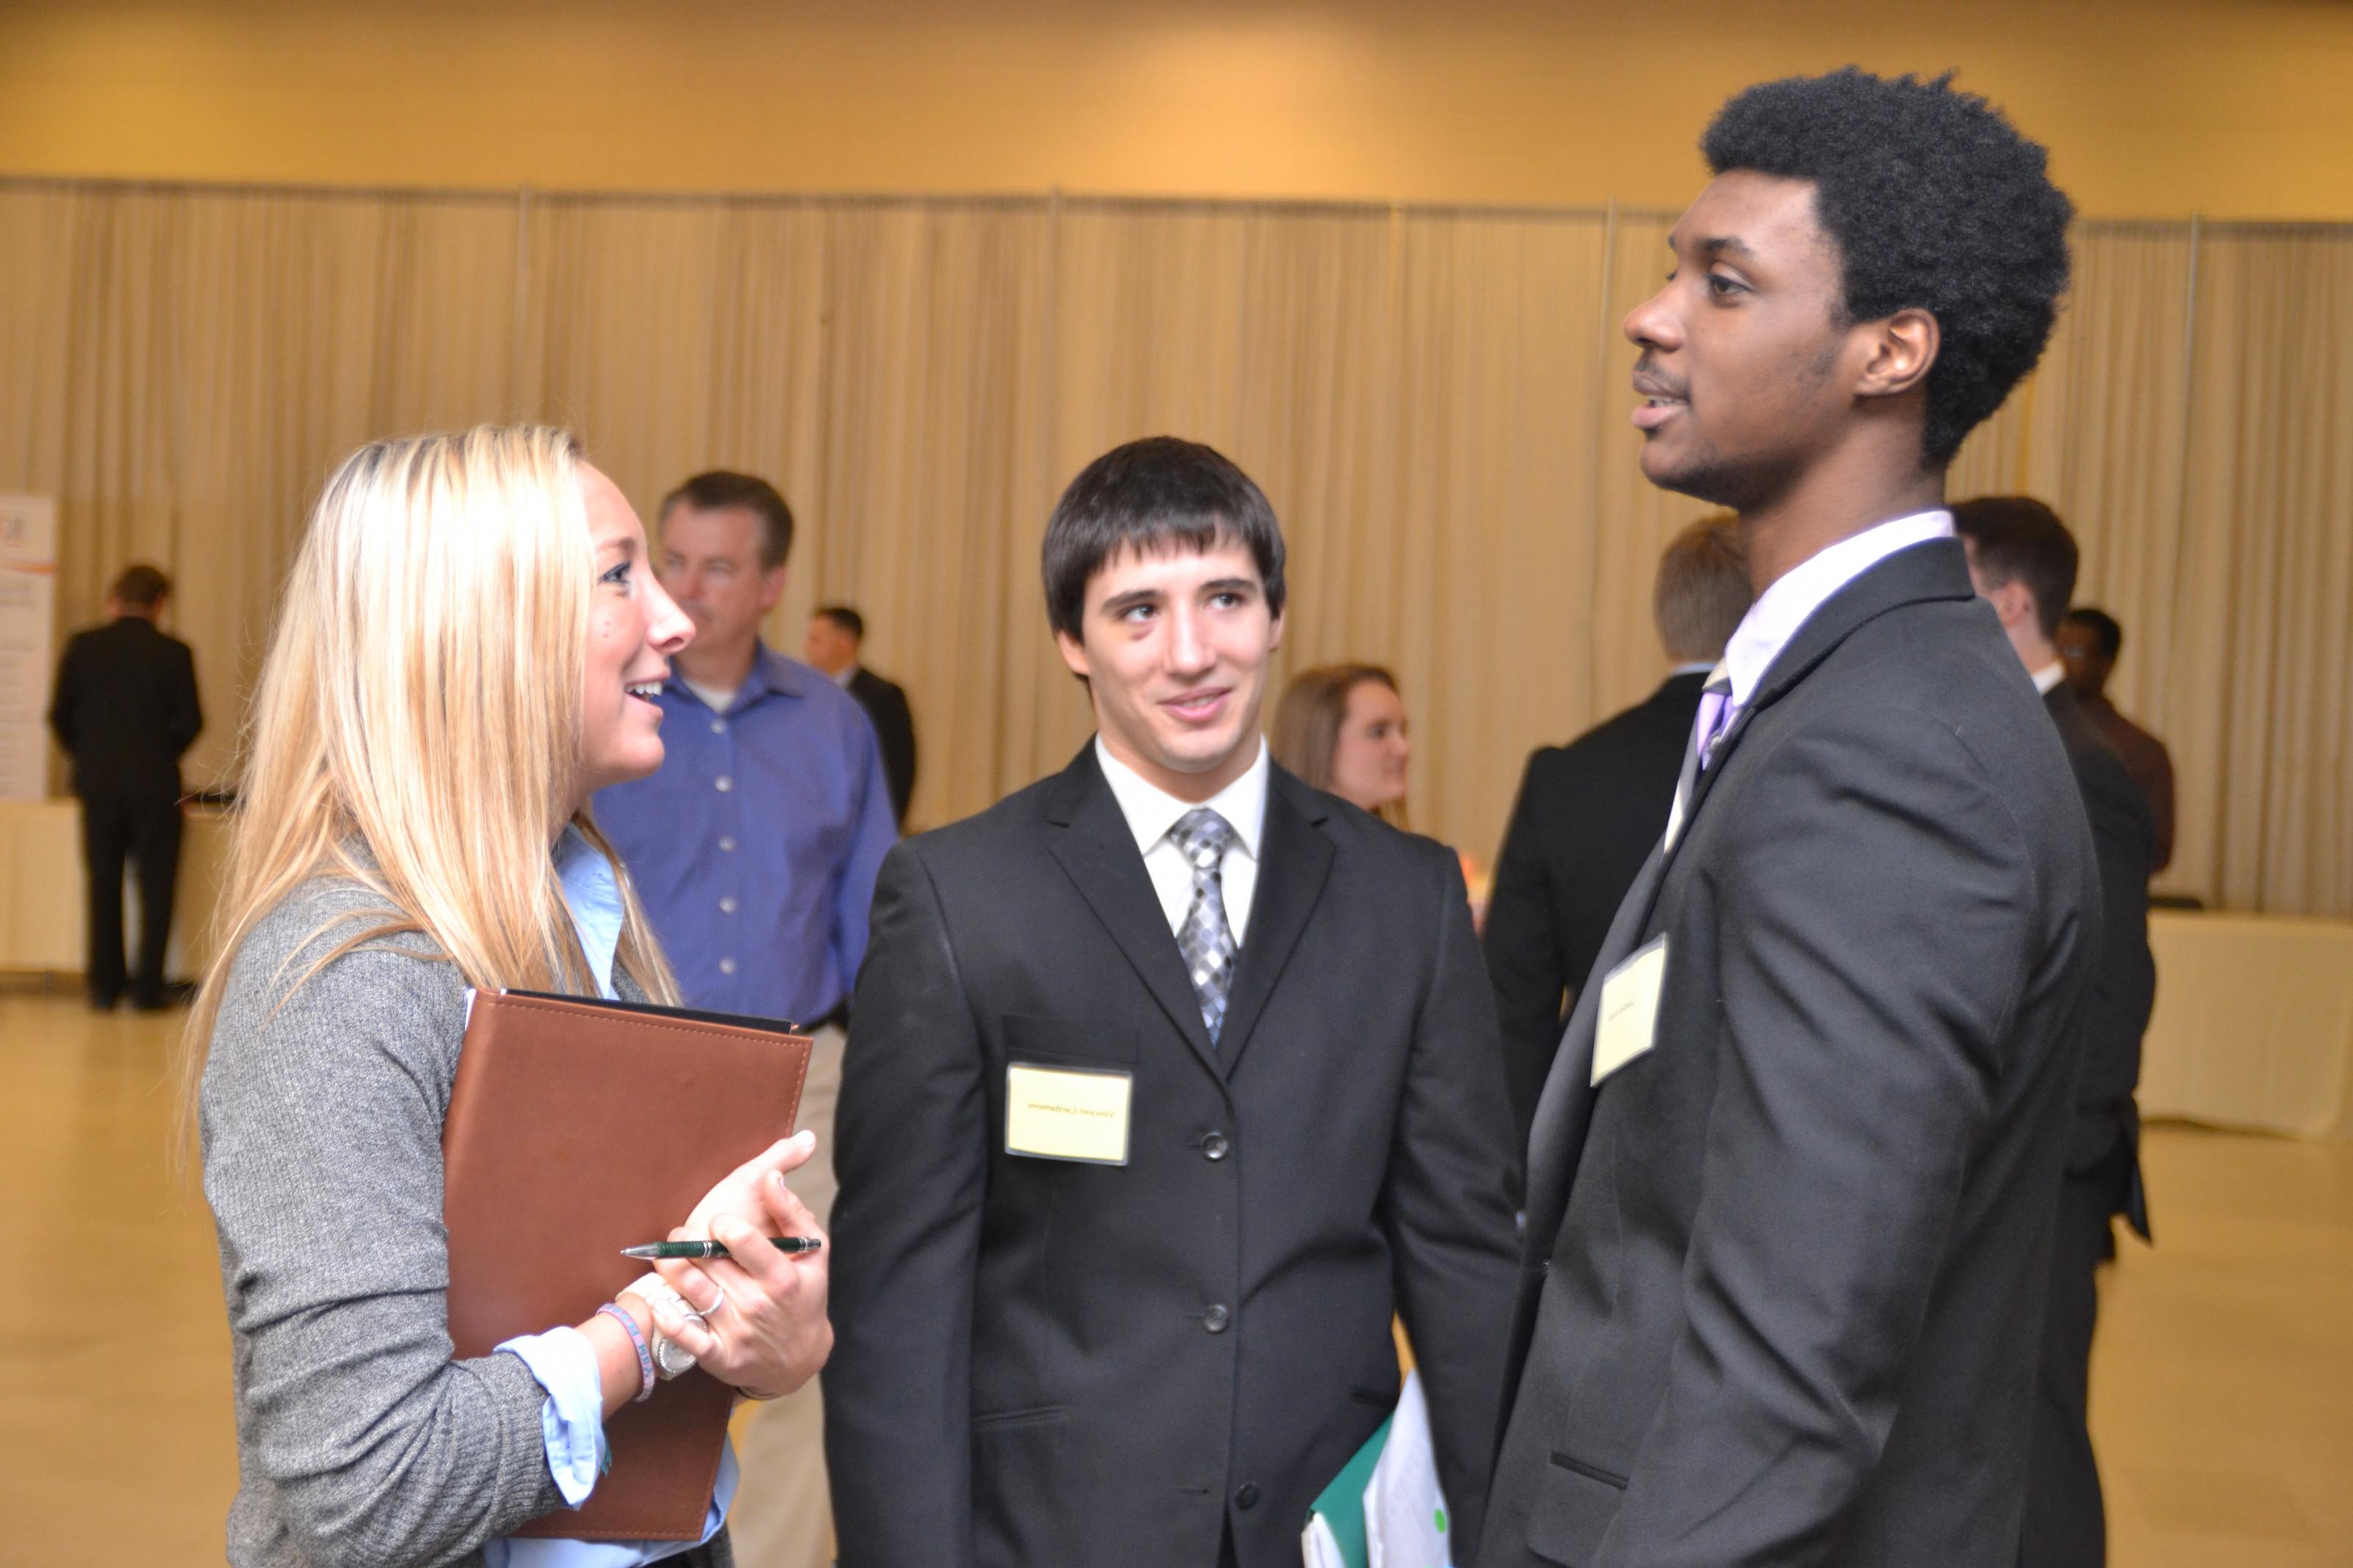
1707,729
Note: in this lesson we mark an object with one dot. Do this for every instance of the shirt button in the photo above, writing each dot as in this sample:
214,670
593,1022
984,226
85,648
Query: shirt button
727,905
1213,1146
724,783
719,726
727,843
1245,1495
727,967
1216,1319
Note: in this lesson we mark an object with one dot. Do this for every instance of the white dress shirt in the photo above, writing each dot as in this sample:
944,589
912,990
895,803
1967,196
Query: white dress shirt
1152,811
1793,599
2047,677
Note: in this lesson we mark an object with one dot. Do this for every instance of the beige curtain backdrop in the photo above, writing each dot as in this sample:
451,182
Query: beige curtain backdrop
1435,400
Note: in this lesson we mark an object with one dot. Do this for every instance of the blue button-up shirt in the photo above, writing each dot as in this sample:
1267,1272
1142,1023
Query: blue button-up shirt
755,846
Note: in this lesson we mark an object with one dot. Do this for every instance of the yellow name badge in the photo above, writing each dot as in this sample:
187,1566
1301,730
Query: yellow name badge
1067,1113
1627,1023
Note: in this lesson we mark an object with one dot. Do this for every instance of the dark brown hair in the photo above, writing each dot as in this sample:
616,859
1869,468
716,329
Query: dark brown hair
1154,495
2017,539
719,489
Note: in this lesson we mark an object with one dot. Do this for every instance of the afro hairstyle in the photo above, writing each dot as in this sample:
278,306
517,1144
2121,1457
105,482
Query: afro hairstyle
1935,202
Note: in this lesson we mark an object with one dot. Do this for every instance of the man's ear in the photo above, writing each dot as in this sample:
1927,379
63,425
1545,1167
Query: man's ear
771,588
1275,641
1073,652
2012,601
1902,350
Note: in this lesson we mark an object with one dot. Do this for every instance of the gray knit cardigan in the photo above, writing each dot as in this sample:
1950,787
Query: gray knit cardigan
360,1439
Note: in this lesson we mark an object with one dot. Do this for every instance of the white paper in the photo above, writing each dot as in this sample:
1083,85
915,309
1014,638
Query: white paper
1406,1522
1318,1548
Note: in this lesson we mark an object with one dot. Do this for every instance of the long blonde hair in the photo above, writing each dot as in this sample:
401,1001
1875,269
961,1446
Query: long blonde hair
416,728
1308,721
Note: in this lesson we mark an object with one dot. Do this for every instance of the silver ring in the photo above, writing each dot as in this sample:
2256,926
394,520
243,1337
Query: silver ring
706,1313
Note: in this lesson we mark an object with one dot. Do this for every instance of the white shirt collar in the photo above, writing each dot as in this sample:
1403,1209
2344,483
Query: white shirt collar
2049,676
1784,606
1152,811
846,674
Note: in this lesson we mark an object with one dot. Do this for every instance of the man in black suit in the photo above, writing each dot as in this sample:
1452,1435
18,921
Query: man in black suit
835,634
125,710
2023,561
1173,1078
1791,1180
1589,812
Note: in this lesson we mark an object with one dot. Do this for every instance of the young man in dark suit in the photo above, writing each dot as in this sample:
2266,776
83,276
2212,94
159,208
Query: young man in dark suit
2023,561
1172,1080
835,634
1588,813
125,710
1791,1180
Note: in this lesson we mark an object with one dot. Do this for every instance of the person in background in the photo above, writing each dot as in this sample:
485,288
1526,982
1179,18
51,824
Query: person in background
836,633
1791,1180
2023,561
1590,811
1341,728
124,709
2088,642
1174,1078
460,658
756,848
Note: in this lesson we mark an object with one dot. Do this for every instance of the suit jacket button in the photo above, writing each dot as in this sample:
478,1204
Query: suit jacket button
1213,1146
1214,1320
1246,1496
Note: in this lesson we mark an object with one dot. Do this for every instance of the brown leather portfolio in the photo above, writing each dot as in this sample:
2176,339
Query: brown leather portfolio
579,1126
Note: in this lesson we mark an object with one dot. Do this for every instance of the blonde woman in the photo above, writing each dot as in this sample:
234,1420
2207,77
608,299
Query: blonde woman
459,661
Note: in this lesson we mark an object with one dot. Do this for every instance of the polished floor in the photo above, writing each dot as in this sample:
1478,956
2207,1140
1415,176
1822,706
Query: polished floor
2223,1393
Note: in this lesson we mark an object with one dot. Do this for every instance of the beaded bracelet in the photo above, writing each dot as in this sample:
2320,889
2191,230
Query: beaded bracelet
644,1356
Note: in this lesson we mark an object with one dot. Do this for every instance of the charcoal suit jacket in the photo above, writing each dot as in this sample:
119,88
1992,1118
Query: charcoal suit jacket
1781,1294
1045,1363
2123,983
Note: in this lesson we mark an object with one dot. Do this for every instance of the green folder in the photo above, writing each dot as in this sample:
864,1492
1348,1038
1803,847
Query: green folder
1342,1504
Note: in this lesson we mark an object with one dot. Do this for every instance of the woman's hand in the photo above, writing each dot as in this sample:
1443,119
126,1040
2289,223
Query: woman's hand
738,1191
764,1330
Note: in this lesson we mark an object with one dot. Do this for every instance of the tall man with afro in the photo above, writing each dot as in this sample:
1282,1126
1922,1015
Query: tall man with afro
1791,1179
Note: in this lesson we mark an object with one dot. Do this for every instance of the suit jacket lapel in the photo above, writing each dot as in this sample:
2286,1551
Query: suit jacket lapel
1937,570
1097,852
1294,860
1564,1111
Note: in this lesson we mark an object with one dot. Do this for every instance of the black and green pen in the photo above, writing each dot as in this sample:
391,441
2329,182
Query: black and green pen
713,1250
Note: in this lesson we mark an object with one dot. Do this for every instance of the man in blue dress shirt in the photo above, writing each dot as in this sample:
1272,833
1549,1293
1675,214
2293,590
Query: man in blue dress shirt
754,848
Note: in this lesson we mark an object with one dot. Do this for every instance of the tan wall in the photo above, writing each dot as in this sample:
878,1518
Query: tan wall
2153,108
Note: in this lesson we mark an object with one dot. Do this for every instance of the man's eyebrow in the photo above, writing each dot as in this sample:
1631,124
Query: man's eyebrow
1230,586
1129,600
1725,245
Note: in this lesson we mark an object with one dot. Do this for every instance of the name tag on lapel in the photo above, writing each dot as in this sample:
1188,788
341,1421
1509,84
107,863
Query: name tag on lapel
1067,1113
1626,1025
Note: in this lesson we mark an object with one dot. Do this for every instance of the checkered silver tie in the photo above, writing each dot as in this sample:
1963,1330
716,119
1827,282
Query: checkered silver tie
1205,939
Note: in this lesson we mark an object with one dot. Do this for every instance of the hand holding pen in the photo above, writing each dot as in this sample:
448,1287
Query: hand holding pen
699,1250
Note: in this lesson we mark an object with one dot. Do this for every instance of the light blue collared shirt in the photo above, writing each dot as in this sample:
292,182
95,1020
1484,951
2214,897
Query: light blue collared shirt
572,1420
